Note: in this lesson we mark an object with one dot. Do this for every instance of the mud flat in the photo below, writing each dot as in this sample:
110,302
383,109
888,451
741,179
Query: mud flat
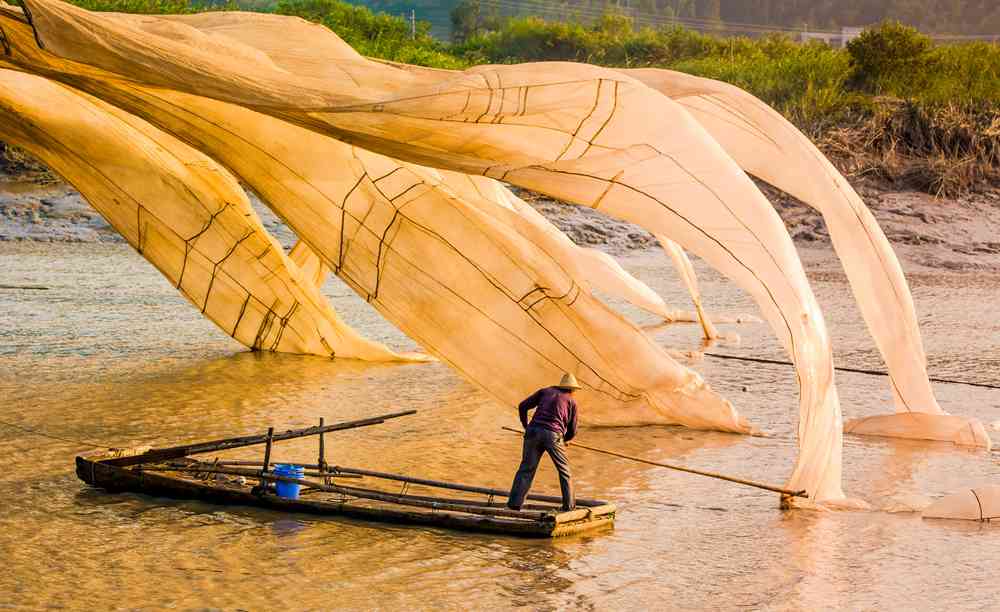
955,234
959,234
49,213
55,212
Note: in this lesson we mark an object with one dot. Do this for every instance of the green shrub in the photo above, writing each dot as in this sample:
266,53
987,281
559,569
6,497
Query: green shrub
804,82
967,74
884,57
610,40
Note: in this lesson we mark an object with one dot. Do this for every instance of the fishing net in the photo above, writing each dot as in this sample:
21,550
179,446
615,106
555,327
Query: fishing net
405,242
767,146
182,212
981,503
385,173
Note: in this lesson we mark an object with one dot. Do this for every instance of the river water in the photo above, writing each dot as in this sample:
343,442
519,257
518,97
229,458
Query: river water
111,354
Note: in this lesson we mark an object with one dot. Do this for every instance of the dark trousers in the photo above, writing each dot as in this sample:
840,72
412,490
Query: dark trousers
538,441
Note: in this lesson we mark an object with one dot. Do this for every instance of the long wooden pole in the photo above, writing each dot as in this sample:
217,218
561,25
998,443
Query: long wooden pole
235,471
175,452
681,468
308,466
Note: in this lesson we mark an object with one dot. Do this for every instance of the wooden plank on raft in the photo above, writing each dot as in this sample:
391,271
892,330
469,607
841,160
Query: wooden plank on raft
233,471
584,513
399,499
138,479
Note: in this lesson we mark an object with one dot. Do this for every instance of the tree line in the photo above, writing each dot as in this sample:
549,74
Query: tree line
938,16
934,16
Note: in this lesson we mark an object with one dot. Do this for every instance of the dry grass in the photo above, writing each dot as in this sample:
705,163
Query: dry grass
948,151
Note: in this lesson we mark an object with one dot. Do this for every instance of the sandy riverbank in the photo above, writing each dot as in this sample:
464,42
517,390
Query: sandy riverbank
961,235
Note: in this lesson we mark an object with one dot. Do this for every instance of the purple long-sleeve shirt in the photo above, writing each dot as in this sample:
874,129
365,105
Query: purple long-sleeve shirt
555,411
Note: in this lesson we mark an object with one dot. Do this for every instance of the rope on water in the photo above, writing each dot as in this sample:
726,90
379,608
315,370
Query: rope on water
43,434
854,370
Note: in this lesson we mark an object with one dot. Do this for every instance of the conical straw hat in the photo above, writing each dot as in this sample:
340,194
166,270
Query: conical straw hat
569,382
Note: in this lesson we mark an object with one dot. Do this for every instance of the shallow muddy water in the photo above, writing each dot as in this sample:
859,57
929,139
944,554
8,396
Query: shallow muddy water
111,354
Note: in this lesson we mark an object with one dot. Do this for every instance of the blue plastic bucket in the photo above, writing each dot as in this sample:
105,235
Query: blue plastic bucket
288,490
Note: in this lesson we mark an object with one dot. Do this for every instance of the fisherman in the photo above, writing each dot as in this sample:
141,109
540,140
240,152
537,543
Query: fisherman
554,422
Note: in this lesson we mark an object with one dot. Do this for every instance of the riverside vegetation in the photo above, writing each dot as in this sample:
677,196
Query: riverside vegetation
893,106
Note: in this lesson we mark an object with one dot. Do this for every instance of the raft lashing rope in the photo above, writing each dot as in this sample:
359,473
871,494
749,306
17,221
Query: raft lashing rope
852,370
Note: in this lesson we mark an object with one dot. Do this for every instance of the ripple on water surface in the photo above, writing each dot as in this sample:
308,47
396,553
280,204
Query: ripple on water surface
111,353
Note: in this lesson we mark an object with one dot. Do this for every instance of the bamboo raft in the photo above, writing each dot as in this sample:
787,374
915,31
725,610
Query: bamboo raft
173,473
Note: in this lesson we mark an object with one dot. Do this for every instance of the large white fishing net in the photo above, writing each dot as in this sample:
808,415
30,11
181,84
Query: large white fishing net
388,175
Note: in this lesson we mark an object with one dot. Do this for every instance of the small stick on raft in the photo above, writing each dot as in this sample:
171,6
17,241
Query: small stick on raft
750,483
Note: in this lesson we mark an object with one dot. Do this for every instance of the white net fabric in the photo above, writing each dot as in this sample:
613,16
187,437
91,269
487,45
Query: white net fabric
380,225
182,212
332,142
766,145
